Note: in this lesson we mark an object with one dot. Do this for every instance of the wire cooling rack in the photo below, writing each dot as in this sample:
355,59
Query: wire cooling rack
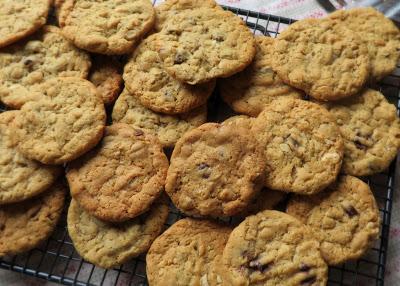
56,260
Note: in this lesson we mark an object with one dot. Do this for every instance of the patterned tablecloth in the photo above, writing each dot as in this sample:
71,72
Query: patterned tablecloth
296,9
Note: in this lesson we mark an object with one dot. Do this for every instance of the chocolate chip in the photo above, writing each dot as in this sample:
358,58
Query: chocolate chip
179,58
308,281
202,166
27,62
138,132
304,267
351,211
258,266
359,145
218,38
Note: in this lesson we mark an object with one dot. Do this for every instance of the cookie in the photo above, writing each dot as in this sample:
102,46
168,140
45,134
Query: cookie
303,149
146,79
184,254
344,218
19,19
107,26
108,245
43,56
273,248
106,77
327,61
205,43
378,33
20,178
66,121
251,90
167,128
370,129
122,176
215,170
266,200
169,8
24,225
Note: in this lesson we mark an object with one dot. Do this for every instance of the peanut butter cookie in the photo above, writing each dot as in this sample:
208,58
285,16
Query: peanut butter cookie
108,245
303,148
146,79
327,61
66,121
215,170
273,248
168,128
20,178
255,87
184,254
122,176
344,218
27,64
106,26
24,225
205,43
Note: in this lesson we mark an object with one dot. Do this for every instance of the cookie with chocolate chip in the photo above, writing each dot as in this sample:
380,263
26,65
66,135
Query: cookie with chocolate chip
272,248
344,218
370,129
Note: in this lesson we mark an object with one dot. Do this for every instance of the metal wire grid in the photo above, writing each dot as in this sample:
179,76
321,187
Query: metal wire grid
56,259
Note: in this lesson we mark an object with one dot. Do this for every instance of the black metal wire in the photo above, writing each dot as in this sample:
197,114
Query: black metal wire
69,269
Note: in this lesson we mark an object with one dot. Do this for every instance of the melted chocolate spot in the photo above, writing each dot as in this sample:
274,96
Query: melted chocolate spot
202,166
179,58
28,62
304,267
257,266
351,211
308,281
359,145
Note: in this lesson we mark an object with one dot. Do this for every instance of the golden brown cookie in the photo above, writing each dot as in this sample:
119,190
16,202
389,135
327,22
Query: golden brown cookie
107,26
378,33
66,121
167,128
255,87
122,176
303,149
370,129
108,245
20,178
344,218
172,7
184,254
146,79
29,63
215,170
327,61
205,43
106,77
273,248
25,225
19,19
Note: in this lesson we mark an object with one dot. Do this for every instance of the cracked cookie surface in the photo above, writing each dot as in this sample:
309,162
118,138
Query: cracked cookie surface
344,218
146,78
24,225
106,75
106,26
20,178
122,176
370,129
185,253
19,19
378,33
328,62
66,121
29,63
108,245
255,87
205,43
302,145
272,248
167,128
215,170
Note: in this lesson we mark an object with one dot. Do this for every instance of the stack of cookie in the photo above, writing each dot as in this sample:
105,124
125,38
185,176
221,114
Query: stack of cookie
62,79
